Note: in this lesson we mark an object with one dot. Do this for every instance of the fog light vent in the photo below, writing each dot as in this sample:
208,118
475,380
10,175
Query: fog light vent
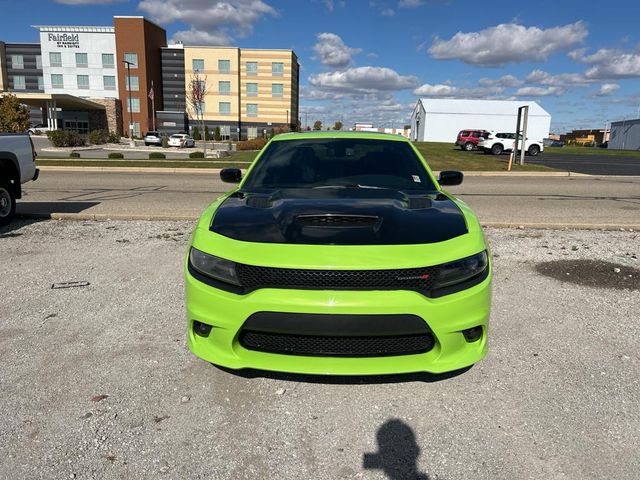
201,329
472,334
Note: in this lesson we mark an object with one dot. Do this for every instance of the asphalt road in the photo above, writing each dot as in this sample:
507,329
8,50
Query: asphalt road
97,381
589,164
556,201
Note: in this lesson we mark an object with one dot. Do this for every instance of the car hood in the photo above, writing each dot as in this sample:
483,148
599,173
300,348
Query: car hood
340,216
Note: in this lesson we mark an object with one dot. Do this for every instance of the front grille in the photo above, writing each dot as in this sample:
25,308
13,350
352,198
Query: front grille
253,277
337,220
336,346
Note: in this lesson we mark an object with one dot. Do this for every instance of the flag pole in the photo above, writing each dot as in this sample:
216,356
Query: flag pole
153,106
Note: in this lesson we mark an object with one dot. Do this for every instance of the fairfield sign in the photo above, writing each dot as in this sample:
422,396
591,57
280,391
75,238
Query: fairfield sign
65,40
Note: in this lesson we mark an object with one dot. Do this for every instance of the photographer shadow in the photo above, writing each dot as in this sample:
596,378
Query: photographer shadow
397,453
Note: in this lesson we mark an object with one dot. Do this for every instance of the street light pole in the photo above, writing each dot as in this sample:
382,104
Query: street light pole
288,120
131,141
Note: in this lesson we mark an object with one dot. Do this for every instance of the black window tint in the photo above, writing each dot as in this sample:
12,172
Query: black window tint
330,162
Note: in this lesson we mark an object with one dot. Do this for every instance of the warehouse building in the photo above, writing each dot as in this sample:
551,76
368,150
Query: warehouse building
625,135
125,76
440,120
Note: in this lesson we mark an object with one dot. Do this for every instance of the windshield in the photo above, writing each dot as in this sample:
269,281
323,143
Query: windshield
339,163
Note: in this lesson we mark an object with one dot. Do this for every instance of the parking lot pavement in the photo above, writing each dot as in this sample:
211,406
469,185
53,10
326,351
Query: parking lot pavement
97,382
589,164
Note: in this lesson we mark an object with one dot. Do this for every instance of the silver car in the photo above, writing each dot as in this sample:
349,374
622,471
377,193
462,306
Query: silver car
152,138
181,140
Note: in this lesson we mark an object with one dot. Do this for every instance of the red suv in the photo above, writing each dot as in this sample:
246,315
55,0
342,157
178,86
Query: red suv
468,139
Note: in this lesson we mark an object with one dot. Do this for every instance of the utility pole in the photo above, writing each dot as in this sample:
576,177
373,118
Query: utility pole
131,141
288,120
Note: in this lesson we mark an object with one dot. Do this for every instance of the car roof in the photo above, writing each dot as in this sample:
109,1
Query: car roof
333,134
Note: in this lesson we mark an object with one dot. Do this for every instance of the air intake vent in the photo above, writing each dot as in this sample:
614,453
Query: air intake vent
259,201
333,220
417,203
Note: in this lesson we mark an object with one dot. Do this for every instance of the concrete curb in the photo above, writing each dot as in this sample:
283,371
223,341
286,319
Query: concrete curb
48,168
154,217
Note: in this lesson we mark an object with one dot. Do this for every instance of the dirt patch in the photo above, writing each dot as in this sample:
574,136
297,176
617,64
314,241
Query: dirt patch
592,273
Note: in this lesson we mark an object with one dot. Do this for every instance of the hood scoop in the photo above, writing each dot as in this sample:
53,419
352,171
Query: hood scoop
338,220
418,203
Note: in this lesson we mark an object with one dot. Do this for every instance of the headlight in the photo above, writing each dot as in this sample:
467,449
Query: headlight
214,267
457,272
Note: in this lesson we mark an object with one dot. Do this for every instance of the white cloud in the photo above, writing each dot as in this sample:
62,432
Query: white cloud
508,43
363,80
388,12
410,3
508,81
609,63
559,80
332,50
539,92
212,22
448,90
607,89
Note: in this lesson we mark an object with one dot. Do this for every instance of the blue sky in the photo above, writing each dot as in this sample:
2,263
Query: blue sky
370,60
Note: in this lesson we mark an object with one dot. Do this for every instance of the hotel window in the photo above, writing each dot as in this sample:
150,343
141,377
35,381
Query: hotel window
17,62
252,132
107,60
277,68
197,64
224,66
41,84
224,108
55,59
135,105
19,82
252,89
39,62
224,88
252,68
225,132
83,81
277,89
133,83
132,58
252,109
109,82
82,60
56,81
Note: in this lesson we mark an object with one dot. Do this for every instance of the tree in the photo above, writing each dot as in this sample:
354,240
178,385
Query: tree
14,117
207,137
196,94
337,125
216,134
195,133
317,125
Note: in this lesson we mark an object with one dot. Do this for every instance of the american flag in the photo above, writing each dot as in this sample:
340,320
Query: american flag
151,92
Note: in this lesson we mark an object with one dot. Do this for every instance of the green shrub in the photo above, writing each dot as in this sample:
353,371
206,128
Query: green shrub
157,156
196,133
254,144
98,137
66,138
114,138
116,155
196,155
216,134
74,155
207,137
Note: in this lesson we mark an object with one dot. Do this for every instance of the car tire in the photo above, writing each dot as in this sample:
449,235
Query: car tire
497,148
7,202
533,151
468,146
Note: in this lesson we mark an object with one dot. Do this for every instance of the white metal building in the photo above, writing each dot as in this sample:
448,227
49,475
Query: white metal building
625,135
440,120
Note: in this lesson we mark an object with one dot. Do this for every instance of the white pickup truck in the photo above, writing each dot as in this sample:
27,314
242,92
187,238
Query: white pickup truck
17,166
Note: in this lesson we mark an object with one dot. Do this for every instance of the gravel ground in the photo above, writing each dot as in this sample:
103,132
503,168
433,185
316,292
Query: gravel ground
97,382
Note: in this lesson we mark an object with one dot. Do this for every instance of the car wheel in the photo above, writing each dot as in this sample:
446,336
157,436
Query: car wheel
468,146
496,149
7,202
534,150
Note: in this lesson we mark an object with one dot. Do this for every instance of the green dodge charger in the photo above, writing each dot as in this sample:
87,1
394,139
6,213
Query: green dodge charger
339,253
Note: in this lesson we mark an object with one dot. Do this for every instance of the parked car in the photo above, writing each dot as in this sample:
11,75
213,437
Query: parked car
329,259
37,129
181,140
153,138
17,166
497,143
468,139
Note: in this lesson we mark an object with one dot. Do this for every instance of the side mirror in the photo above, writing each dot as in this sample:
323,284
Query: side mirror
231,175
450,177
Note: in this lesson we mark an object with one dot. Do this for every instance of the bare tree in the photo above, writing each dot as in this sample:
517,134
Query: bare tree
196,92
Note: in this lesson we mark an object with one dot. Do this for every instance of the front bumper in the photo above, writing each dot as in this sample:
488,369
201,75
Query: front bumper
446,317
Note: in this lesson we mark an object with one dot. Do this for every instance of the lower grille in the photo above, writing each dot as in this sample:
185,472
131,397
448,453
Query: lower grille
336,346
